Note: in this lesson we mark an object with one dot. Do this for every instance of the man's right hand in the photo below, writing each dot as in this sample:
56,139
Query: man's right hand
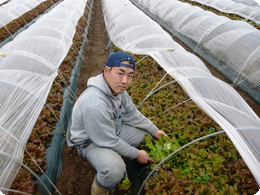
143,157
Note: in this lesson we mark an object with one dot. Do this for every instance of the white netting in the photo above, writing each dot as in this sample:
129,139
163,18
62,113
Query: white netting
247,2
216,98
16,8
228,6
230,43
245,44
28,66
124,35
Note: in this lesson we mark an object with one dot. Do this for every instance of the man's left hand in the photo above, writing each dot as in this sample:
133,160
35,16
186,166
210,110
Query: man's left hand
158,133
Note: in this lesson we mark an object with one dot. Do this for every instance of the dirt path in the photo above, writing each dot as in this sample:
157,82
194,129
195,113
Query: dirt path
78,174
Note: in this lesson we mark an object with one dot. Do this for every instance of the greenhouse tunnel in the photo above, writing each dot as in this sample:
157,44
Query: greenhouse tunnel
203,31
193,77
39,47
15,9
7,16
249,12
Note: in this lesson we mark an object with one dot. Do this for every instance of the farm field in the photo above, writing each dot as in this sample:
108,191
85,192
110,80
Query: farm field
20,22
217,156
138,91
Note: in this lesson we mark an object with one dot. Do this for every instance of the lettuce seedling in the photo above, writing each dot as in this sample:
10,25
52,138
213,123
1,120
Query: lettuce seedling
161,148
125,184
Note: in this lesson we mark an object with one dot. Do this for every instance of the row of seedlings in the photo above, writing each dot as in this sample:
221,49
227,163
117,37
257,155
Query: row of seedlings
216,98
16,14
212,165
231,46
34,72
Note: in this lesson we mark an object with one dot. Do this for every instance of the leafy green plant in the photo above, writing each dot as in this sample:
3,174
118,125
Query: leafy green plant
160,149
24,183
125,184
211,166
38,153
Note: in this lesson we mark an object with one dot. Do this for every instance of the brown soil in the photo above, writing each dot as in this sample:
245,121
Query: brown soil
4,3
78,174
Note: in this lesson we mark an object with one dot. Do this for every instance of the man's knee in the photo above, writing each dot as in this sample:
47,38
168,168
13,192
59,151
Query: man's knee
118,169
113,173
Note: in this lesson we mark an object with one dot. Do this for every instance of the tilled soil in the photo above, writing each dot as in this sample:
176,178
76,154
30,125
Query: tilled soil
77,173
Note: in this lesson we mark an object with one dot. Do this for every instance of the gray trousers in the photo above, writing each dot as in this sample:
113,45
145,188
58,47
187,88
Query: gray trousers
110,166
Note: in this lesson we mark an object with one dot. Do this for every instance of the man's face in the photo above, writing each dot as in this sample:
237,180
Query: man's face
118,78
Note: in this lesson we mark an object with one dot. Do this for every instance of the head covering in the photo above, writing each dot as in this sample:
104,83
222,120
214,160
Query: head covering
115,59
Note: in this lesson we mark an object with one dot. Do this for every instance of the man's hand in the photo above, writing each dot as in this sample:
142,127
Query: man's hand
158,133
143,157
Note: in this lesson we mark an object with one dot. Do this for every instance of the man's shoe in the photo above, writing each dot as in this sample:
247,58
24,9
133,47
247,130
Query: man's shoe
97,189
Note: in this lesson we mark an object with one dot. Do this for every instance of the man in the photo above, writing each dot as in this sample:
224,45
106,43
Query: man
106,125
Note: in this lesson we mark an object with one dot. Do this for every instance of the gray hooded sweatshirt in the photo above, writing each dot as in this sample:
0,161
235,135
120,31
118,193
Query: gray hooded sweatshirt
99,116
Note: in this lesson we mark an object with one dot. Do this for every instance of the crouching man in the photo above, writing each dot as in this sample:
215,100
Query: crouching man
106,126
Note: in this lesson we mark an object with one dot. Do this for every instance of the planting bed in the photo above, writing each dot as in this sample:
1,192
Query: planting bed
212,166
42,134
18,23
77,174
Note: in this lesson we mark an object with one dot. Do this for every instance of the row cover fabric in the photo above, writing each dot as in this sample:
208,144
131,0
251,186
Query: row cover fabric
248,2
216,98
15,9
3,1
236,44
27,70
228,6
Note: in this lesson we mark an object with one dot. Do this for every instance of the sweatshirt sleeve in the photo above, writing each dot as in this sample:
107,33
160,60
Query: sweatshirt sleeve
99,124
135,118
